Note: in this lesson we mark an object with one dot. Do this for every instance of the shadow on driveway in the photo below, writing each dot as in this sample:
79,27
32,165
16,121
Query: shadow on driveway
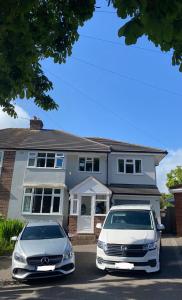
89,283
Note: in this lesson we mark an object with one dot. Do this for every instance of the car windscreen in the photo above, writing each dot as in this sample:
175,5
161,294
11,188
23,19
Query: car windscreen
42,232
129,220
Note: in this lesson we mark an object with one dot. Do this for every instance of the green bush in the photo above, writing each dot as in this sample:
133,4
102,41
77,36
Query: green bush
9,228
6,247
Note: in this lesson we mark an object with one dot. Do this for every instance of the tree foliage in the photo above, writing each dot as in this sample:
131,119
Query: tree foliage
160,21
31,31
164,201
174,178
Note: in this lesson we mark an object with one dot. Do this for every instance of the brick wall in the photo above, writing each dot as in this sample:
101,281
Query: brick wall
5,181
72,224
178,210
98,219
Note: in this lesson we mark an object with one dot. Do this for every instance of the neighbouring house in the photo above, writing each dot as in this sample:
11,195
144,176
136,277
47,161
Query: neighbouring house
177,192
51,174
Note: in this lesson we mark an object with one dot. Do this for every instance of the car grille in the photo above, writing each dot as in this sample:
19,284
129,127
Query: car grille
125,250
44,260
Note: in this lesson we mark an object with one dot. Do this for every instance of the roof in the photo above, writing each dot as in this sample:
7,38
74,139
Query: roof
132,207
21,138
119,146
58,140
134,189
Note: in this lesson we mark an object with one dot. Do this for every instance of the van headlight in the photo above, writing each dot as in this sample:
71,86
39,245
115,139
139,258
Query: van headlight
150,246
19,257
101,245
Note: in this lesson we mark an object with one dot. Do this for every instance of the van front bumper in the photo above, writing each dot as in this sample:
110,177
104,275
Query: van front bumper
148,263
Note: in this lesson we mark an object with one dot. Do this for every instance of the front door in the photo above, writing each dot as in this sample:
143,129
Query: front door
85,217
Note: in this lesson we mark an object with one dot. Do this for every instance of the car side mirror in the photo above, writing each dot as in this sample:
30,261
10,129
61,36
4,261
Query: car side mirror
99,225
14,238
160,227
70,236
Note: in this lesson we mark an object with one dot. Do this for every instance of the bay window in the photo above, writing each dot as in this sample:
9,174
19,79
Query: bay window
46,160
42,201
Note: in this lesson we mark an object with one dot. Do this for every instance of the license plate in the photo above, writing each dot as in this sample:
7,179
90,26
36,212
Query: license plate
45,268
124,266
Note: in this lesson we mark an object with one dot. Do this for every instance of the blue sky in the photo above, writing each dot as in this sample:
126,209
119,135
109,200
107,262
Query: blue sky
104,89
94,102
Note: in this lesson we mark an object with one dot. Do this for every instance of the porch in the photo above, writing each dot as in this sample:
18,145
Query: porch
89,204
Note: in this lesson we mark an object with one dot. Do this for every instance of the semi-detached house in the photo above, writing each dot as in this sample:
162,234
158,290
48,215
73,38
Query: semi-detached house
51,174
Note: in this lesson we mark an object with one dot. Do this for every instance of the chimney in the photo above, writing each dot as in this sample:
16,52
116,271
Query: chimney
36,124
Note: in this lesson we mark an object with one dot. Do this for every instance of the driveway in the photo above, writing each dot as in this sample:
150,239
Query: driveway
89,283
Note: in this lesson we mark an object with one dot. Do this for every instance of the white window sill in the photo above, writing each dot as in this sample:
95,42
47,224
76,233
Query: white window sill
41,214
91,172
100,215
43,168
136,174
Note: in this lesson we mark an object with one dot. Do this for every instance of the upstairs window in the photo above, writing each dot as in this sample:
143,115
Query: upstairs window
46,160
89,164
130,166
1,158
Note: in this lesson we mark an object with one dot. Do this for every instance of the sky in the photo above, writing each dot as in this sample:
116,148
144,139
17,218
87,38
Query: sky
108,89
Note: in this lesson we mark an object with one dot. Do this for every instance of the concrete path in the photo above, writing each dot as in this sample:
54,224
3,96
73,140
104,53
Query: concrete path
88,283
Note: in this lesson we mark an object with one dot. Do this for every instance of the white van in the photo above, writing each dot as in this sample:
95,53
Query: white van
129,239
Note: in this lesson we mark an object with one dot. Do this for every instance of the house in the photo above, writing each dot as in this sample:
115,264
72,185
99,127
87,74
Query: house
51,174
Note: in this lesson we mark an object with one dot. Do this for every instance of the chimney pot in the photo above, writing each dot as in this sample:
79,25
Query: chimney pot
36,124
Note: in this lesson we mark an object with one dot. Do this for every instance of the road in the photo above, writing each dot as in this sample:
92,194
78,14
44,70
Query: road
89,283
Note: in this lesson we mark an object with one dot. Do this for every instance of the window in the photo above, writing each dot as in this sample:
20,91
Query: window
130,166
1,158
89,164
46,160
74,205
42,232
129,219
41,200
101,204
121,165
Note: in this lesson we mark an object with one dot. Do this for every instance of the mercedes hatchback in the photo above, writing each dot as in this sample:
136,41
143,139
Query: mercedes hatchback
42,250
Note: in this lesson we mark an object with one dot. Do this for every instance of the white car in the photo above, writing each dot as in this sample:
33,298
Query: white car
42,250
129,239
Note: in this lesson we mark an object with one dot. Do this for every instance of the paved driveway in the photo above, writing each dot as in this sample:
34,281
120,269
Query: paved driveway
88,283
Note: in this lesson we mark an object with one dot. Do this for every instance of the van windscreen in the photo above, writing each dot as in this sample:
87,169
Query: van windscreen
129,220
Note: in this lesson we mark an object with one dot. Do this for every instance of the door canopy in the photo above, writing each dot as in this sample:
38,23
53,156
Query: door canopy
90,186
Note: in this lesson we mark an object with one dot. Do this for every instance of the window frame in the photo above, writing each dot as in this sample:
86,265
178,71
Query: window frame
132,163
88,158
74,198
32,194
1,160
34,155
106,200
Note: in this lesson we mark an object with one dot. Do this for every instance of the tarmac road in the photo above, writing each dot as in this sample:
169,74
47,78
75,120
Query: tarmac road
89,283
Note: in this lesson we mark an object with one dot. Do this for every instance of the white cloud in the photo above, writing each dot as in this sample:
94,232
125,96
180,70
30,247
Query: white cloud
171,161
7,121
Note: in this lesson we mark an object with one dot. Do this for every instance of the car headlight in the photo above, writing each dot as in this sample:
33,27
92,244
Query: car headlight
102,245
150,246
19,258
68,253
